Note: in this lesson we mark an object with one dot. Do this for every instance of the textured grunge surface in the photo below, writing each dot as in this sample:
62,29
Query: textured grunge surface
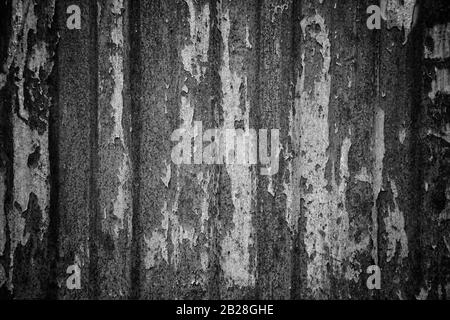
87,180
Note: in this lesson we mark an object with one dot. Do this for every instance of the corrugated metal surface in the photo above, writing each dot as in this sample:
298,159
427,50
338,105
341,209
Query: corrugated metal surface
87,177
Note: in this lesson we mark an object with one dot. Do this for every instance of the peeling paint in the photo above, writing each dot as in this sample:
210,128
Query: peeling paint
156,245
399,14
363,176
3,277
111,133
166,178
377,175
168,241
440,84
236,263
121,203
27,180
331,249
423,294
402,135
278,9
395,229
313,143
195,54
331,181
344,248
440,34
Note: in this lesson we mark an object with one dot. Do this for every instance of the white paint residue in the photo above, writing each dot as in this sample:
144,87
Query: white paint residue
344,248
156,245
313,144
395,229
402,135
236,262
248,44
23,21
121,203
116,60
204,182
399,15
186,110
293,187
441,83
278,9
195,54
28,180
166,178
363,176
423,294
377,175
440,34
327,238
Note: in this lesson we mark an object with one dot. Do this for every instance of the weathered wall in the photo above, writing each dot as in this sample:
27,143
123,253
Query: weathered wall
86,176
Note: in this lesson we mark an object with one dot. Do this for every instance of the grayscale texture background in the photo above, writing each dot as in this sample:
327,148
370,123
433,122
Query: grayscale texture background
86,176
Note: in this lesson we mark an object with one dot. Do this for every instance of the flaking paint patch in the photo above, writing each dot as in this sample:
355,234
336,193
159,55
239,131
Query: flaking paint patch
423,294
157,249
402,135
395,229
3,277
23,20
313,145
204,180
293,186
27,180
363,176
278,9
178,231
194,57
440,83
166,178
399,14
328,241
377,175
236,260
116,60
195,54
440,34
156,245
344,249
121,203
248,43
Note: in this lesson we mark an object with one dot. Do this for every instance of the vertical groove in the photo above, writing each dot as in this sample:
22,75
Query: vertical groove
6,143
215,272
415,63
135,85
94,227
255,114
297,251
53,132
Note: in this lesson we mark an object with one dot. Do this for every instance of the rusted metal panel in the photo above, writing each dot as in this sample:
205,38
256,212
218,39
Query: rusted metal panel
351,166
